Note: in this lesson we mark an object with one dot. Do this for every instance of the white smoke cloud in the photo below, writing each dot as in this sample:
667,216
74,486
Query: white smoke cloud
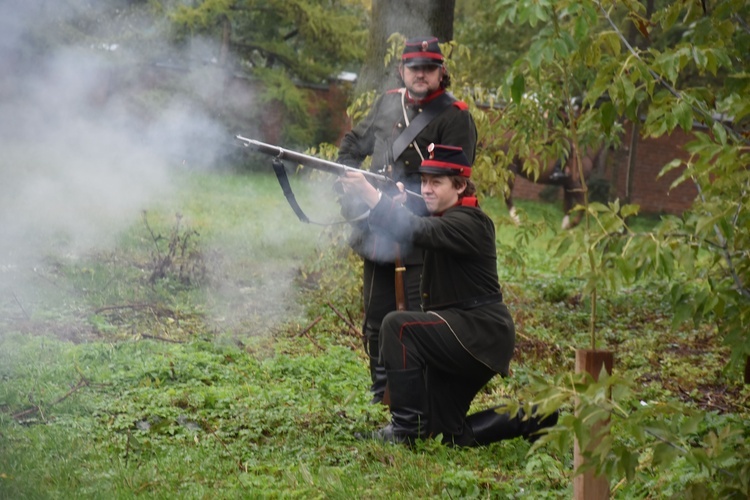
90,136
82,148
73,164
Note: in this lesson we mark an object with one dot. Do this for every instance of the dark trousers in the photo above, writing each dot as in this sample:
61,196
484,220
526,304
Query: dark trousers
379,290
453,377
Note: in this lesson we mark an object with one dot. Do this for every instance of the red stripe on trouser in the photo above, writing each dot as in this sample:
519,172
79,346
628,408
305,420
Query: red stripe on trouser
401,335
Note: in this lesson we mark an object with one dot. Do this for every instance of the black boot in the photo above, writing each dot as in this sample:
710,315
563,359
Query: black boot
377,372
379,379
489,426
409,408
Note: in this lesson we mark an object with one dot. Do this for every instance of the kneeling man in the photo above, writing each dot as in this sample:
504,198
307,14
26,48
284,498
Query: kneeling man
438,359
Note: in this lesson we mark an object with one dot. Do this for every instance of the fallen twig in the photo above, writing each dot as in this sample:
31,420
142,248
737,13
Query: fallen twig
306,332
127,446
353,329
163,339
21,306
351,320
213,433
38,408
313,342
145,486
308,327
125,306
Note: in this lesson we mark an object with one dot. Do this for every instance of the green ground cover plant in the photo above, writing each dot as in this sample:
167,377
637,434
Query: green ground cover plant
213,352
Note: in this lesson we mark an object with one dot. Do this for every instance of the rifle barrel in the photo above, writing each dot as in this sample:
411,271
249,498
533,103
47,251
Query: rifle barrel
312,161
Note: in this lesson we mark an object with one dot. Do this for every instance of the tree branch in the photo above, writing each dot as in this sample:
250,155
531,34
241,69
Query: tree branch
659,79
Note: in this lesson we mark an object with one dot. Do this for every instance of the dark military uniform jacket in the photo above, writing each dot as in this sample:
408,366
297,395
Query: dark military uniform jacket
459,275
374,137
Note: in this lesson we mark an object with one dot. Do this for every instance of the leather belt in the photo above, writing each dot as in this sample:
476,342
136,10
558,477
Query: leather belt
468,303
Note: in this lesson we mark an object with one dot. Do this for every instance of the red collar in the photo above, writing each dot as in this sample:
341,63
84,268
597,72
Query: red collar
466,201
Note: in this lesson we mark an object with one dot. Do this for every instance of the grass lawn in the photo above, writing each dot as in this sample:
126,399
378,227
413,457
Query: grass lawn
207,354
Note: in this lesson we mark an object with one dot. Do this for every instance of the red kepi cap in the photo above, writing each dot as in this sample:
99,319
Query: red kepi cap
445,160
422,50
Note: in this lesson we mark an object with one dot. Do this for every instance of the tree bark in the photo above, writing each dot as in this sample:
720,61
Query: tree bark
635,41
410,18
635,131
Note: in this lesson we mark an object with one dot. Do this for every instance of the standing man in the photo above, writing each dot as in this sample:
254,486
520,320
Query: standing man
396,133
438,359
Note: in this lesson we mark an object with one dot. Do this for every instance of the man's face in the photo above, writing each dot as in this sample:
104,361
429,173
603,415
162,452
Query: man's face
421,80
439,193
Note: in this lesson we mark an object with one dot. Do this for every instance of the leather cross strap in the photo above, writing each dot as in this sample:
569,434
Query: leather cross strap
433,108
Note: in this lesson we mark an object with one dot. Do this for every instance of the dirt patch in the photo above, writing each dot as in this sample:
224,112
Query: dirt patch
534,351
718,397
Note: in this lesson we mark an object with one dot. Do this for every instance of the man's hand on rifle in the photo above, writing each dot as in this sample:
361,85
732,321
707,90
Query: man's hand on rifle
355,184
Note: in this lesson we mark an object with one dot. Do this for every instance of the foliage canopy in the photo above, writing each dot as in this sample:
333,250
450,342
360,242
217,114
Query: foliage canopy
309,39
660,66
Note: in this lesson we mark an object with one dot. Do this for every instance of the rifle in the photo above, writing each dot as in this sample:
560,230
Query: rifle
318,163
280,153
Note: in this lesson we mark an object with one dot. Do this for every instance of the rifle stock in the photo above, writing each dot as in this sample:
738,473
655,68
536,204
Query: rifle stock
317,163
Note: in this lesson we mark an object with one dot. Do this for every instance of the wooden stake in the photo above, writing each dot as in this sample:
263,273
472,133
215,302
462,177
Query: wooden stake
587,486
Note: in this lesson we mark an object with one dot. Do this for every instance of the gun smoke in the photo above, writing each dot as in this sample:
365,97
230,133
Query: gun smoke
84,148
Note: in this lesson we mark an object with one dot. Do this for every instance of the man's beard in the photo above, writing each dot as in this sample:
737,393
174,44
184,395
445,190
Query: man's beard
414,94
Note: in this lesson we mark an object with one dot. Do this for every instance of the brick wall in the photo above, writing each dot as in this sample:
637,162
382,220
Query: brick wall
652,193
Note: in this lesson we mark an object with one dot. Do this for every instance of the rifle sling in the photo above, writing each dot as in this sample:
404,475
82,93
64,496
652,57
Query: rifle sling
433,108
280,171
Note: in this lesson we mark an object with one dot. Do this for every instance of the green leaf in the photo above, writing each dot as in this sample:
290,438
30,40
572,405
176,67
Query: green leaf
664,455
626,268
682,312
560,48
672,13
684,114
700,58
690,426
670,119
534,56
629,209
518,88
629,462
608,116
720,133
669,65
628,89
699,457
581,28
676,163
611,40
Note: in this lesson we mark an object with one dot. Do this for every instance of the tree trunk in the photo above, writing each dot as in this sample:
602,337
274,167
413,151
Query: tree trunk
410,18
635,131
641,42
